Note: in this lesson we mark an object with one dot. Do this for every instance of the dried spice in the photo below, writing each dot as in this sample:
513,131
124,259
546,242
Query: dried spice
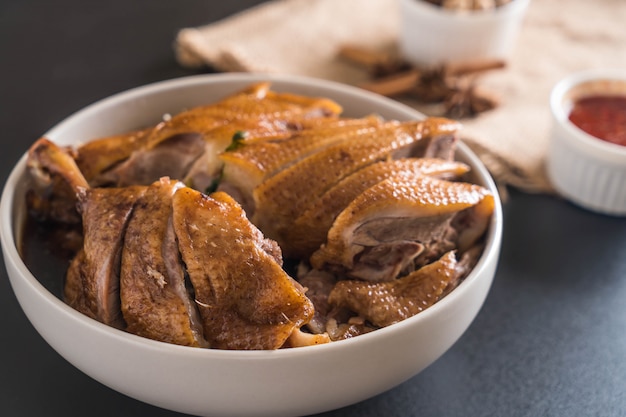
453,84
469,102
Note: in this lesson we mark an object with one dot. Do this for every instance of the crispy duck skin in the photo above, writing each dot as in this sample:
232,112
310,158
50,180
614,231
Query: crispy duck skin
249,164
386,303
92,280
308,232
245,299
154,300
190,153
256,102
279,200
207,170
390,224
259,99
208,167
253,106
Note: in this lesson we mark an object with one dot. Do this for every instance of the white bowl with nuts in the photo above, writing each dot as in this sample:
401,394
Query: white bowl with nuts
439,31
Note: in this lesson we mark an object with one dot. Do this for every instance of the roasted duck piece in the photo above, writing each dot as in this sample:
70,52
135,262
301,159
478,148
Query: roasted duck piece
282,198
256,108
190,155
386,303
253,161
245,299
259,100
308,232
184,147
92,283
155,302
130,272
401,223
206,173
373,211
256,102
55,182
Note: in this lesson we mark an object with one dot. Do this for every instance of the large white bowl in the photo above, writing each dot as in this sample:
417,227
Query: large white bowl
239,383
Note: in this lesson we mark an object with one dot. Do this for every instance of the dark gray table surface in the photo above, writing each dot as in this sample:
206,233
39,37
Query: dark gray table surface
549,341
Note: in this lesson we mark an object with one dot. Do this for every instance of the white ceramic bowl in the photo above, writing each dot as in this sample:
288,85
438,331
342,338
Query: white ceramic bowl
431,35
239,383
584,169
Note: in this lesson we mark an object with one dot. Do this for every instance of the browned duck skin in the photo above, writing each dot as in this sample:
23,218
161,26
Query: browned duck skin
92,280
390,225
245,299
255,102
100,155
259,99
308,232
135,158
55,180
206,172
282,198
154,301
386,303
207,169
248,165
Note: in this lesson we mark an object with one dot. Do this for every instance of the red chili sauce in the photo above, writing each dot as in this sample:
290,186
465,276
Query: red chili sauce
602,116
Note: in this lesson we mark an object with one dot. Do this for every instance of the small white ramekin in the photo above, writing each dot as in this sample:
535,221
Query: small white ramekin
431,35
586,170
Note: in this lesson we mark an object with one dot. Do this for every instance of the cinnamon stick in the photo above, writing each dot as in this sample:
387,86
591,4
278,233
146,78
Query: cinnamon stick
394,84
452,84
364,57
470,67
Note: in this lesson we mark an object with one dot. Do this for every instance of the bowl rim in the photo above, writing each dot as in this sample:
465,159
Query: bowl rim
11,253
599,147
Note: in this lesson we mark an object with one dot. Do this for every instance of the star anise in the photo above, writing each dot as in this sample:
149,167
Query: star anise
452,84
468,102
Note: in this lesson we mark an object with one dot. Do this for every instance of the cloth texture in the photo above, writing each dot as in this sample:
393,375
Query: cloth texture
302,37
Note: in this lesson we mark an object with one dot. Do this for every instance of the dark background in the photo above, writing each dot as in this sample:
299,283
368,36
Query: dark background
549,341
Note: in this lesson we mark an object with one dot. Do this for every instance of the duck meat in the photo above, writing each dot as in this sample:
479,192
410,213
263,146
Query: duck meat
386,303
98,155
92,283
245,299
401,223
155,301
172,158
308,232
285,196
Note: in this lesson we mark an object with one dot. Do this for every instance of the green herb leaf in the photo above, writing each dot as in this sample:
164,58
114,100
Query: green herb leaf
238,138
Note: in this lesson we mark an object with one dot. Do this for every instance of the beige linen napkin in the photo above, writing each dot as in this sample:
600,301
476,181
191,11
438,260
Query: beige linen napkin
302,37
